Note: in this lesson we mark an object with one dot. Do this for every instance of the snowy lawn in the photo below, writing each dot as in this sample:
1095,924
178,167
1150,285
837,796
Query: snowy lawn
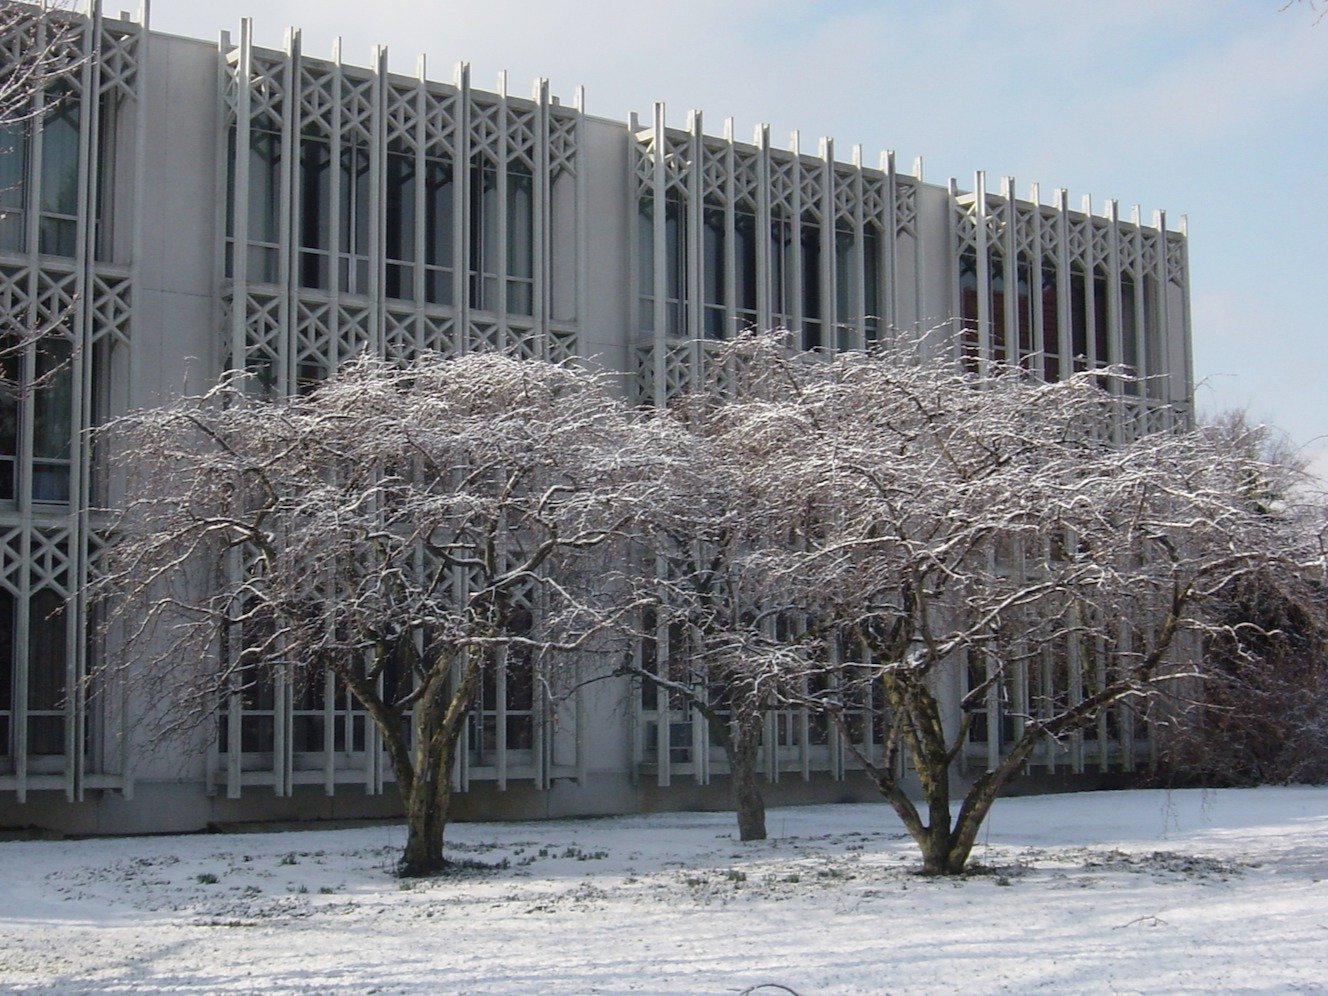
1102,892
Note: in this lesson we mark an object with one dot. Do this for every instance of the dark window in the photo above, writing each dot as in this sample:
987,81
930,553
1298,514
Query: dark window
812,314
6,672
264,204
108,120
520,241
46,673
484,258
1079,320
744,267
400,228
1101,314
645,261
675,262
781,271
439,228
52,422
506,693
1051,322
59,173
873,321
230,202
996,276
846,287
970,349
1024,310
713,272
307,714
649,660
355,208
13,176
1129,331
315,212
11,367
1153,355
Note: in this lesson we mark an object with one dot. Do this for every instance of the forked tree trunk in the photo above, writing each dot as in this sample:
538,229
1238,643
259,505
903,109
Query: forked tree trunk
944,842
427,806
942,848
428,799
942,853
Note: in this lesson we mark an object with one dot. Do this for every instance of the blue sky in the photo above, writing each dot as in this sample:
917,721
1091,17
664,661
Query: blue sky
1216,109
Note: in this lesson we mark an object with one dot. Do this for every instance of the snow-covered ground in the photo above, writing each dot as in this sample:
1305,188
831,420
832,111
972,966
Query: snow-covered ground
1103,892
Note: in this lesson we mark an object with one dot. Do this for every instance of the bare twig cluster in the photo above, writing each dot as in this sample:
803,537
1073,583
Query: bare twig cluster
882,541
884,535
400,529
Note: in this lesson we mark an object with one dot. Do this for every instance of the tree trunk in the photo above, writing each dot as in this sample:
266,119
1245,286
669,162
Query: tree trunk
748,802
426,816
441,722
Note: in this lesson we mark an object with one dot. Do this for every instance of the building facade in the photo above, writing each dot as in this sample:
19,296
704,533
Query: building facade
176,208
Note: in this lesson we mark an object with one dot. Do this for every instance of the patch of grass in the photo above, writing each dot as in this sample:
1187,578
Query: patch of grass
206,878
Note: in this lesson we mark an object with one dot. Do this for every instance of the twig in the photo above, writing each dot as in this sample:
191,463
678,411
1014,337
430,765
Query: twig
1147,921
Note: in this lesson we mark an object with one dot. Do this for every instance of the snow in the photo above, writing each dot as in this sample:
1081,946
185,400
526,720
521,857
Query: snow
1182,891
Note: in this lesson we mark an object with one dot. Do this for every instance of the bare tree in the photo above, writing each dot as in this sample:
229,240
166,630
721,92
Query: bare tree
718,641
707,644
1263,715
401,529
996,542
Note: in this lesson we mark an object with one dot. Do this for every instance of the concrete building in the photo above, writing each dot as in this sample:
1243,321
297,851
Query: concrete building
180,207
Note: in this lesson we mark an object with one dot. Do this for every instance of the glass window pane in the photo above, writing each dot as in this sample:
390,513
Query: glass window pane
1079,320
811,286
1024,308
520,224
484,248
1101,311
675,260
6,662
264,185
871,282
59,174
1051,322
315,177
1129,331
713,239
438,231
520,241
781,263
744,259
13,172
46,673
996,274
52,423
400,233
